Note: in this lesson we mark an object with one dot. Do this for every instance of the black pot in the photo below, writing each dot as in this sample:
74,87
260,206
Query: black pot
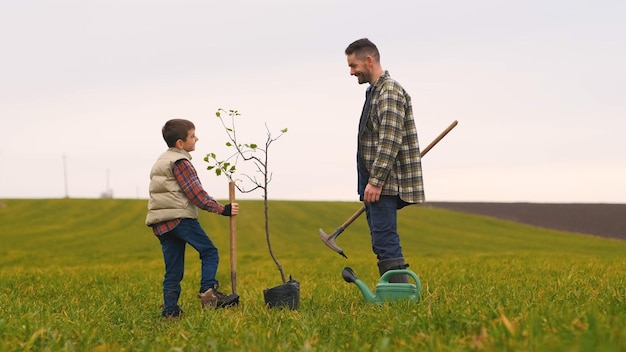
285,295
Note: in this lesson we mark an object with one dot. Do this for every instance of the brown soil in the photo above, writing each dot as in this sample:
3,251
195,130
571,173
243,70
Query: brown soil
605,220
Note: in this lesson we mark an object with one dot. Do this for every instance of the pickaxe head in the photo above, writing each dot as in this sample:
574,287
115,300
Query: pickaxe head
329,240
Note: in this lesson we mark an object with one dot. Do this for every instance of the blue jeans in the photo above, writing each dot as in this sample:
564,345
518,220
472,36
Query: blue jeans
173,246
382,220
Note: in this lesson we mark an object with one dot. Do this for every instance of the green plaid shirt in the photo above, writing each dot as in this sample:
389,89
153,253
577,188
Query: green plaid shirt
388,145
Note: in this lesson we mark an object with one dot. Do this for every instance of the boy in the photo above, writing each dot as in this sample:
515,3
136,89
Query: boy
175,196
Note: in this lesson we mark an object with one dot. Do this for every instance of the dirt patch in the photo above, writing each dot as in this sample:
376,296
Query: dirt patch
606,220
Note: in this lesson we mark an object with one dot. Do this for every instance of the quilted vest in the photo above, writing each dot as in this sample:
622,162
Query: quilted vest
167,199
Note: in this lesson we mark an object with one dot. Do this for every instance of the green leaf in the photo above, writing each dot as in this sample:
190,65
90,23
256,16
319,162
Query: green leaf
218,172
229,144
253,146
210,167
284,130
218,114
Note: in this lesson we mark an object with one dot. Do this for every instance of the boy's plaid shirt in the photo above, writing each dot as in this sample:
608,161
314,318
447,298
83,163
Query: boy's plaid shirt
388,144
188,180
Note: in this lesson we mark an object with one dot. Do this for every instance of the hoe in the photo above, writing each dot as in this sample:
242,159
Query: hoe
329,240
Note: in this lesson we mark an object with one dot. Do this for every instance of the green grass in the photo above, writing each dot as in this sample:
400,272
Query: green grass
85,275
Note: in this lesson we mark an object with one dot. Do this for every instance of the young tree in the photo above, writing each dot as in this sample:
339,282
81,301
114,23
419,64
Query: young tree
252,153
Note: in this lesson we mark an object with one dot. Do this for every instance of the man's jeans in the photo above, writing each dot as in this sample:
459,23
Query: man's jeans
382,220
173,245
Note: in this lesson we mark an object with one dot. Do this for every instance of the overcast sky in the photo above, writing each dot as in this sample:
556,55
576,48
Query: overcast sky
538,89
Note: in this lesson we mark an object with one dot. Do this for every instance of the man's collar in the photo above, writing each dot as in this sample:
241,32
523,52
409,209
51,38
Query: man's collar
380,79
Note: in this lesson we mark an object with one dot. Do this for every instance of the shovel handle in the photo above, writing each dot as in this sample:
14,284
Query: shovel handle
233,239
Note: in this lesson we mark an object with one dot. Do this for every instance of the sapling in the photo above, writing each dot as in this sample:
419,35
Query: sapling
250,153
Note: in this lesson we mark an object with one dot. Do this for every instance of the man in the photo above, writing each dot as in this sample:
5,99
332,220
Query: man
388,155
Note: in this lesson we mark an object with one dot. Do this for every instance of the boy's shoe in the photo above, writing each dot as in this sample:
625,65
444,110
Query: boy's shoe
172,312
214,298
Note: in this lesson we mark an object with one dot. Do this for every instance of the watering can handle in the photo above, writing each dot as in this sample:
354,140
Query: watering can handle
390,273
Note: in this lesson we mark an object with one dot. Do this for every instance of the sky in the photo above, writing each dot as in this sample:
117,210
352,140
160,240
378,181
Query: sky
537,88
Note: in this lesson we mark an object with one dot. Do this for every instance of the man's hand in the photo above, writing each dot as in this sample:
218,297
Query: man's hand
372,193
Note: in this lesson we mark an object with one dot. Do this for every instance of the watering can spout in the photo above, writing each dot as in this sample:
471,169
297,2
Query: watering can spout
348,276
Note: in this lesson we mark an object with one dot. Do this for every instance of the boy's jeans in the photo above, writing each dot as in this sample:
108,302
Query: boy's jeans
173,245
382,220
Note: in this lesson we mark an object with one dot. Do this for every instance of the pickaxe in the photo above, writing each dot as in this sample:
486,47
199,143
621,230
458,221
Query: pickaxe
329,240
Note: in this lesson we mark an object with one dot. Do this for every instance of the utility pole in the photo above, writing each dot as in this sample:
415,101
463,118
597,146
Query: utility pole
65,175
108,193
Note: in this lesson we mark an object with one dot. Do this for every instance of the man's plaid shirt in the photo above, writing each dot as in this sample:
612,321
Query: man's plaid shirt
388,144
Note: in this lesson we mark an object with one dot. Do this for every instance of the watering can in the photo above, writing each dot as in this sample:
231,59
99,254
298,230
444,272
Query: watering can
387,291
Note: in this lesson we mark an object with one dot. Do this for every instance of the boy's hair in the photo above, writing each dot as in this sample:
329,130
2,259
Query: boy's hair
362,48
176,129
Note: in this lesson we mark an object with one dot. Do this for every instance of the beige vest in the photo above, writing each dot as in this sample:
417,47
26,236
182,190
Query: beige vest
167,199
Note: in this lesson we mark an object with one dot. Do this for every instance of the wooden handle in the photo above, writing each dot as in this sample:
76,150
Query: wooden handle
233,239
353,217
440,137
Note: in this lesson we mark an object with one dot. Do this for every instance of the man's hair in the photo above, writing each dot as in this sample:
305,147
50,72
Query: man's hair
176,129
362,48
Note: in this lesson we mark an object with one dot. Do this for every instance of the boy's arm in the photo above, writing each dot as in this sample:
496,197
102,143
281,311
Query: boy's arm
188,180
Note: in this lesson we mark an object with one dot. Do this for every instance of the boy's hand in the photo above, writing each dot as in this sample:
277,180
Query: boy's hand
234,209
231,209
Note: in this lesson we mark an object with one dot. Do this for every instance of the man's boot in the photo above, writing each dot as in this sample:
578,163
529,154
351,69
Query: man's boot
393,264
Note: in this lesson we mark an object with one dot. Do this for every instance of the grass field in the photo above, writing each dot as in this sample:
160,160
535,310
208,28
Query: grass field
85,275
